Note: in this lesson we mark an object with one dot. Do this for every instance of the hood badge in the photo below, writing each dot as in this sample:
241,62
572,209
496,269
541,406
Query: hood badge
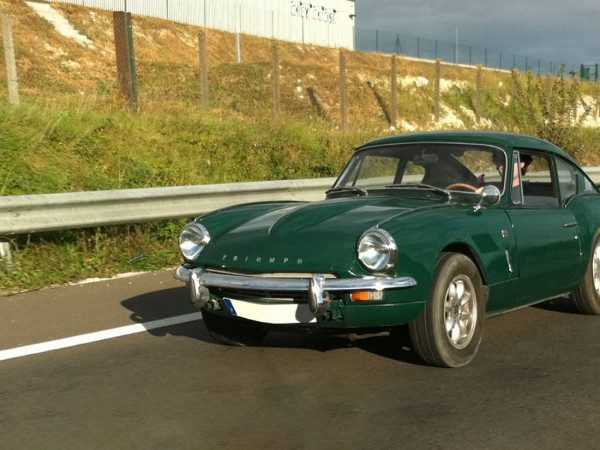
258,259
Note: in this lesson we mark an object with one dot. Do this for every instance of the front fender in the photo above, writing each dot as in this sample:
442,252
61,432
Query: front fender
421,238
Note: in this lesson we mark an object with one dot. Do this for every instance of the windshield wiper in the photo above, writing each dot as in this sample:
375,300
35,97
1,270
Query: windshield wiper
435,189
358,190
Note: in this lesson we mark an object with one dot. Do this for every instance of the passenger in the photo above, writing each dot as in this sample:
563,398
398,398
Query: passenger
498,160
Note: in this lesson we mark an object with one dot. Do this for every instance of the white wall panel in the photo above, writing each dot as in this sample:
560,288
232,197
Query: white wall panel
322,22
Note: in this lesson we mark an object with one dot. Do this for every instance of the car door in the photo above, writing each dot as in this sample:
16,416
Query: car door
547,252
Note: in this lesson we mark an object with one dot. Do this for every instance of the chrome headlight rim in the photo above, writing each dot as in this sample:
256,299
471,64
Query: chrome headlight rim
192,240
386,259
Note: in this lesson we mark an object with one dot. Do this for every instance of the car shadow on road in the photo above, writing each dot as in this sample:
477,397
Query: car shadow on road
174,302
559,304
163,304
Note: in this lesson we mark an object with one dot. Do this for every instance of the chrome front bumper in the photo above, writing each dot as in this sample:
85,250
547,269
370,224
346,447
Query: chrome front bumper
317,286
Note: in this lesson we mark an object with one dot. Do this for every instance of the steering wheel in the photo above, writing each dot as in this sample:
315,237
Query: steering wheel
461,185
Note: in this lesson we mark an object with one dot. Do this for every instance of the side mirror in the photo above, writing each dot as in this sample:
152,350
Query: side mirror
490,195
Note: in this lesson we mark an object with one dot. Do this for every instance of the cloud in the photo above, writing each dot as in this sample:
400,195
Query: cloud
547,29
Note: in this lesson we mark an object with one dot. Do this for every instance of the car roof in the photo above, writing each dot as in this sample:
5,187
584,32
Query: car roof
504,140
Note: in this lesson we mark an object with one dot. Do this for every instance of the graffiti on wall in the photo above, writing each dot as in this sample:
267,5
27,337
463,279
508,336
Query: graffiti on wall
311,11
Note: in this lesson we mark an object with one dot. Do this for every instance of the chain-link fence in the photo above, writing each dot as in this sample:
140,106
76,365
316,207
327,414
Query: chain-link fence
368,39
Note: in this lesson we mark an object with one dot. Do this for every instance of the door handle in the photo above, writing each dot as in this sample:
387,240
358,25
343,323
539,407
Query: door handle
570,224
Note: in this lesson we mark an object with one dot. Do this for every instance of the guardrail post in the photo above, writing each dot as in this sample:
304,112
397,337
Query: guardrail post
126,72
6,255
9,58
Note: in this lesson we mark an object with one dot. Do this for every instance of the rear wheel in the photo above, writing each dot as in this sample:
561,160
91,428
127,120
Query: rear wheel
234,332
587,295
448,331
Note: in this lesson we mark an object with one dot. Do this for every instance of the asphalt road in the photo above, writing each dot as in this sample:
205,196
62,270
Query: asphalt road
534,383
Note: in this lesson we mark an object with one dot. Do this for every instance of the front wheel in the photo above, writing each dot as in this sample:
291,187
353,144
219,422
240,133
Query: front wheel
587,295
236,332
448,331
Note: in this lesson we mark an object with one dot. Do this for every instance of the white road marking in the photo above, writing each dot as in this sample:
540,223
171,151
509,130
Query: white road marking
88,338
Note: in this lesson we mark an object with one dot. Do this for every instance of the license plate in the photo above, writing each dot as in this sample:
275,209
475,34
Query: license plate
274,313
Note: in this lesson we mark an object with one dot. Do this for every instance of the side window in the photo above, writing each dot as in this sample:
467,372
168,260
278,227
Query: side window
567,179
585,184
536,180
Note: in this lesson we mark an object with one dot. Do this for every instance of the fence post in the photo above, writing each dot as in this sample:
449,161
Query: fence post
513,77
276,86
478,89
394,96
203,70
9,59
548,92
436,104
238,49
126,73
575,102
238,45
343,91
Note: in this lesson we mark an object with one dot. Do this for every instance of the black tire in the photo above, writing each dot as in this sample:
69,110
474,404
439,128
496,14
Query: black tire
586,298
235,332
457,346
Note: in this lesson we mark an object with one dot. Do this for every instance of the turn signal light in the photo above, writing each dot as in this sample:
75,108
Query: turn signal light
365,296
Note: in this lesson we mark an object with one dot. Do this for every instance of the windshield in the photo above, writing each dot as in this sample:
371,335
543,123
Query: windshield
455,167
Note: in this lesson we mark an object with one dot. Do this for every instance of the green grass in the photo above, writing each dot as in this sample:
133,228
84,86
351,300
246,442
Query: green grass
74,149
55,258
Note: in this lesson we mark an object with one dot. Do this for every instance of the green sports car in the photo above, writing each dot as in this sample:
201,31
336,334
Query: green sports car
435,230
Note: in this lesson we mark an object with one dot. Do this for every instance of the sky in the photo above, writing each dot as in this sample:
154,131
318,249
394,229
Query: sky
556,30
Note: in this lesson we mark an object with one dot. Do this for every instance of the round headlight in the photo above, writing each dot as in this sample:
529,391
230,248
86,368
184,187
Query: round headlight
377,250
193,238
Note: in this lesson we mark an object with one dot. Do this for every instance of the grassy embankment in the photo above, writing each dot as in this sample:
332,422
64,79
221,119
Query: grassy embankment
72,134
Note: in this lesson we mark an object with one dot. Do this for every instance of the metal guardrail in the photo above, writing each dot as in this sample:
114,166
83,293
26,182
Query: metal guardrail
21,214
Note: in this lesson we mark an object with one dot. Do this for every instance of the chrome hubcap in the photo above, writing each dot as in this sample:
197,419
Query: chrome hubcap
596,269
460,310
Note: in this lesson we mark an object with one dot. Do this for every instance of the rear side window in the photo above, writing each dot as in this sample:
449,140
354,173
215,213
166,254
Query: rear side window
537,181
567,179
585,184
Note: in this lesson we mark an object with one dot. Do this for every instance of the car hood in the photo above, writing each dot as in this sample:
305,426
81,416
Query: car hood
320,236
